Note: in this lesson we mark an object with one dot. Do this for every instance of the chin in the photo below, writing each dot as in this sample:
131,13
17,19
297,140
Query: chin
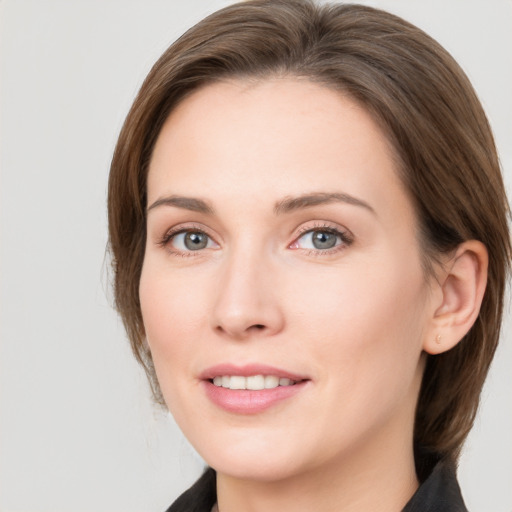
257,457
255,467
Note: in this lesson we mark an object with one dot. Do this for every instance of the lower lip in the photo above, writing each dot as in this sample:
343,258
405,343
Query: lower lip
245,401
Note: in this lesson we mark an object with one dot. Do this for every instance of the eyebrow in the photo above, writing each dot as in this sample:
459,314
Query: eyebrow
187,203
307,200
286,205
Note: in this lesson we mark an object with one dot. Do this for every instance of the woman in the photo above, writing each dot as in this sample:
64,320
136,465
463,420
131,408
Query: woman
309,236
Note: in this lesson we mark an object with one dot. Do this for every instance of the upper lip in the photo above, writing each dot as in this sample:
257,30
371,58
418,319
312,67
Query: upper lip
247,370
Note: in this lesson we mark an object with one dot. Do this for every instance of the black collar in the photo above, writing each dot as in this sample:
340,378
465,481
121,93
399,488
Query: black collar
440,492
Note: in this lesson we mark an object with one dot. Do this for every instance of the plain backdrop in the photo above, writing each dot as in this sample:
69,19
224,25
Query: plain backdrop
78,432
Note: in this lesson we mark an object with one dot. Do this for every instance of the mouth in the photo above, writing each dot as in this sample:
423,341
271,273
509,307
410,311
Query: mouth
250,389
252,382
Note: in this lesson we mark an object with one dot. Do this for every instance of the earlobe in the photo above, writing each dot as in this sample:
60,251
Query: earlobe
462,286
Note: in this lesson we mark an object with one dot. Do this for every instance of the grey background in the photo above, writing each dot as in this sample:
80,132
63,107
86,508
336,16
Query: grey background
77,429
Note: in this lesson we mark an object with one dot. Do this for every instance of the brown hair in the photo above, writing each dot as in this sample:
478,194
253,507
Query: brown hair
424,103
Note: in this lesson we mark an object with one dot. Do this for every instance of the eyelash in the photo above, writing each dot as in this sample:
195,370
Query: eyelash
346,239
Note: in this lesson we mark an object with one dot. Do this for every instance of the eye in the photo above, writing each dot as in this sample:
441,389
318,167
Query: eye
191,240
321,239
318,240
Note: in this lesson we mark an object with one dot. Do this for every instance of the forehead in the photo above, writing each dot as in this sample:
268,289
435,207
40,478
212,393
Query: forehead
271,138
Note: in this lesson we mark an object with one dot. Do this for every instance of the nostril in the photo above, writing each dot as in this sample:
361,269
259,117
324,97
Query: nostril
254,327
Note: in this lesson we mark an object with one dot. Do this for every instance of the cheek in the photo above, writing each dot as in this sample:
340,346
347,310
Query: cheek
172,313
369,296
366,322
172,310
365,342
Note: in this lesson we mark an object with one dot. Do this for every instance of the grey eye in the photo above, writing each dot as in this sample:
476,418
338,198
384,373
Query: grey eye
323,239
187,241
194,241
319,239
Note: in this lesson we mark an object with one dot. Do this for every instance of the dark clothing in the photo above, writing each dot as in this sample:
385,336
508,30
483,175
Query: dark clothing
200,497
439,492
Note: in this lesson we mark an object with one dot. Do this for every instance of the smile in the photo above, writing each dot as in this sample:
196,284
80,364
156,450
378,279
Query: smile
252,382
252,388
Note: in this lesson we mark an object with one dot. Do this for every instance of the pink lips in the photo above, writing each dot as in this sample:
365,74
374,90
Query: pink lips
249,401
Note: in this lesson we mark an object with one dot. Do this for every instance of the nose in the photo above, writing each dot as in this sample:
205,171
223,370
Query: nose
247,304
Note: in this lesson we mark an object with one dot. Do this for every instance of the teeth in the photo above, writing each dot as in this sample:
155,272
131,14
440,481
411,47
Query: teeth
237,383
271,381
254,382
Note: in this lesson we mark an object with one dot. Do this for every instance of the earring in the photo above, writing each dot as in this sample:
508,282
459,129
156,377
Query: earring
438,339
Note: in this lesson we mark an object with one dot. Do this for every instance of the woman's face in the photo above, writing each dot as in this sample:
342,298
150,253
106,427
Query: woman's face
282,251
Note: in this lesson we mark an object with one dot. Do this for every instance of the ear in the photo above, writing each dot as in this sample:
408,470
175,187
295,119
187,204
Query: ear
462,285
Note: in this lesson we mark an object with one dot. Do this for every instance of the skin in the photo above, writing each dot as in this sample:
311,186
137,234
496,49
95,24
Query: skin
354,319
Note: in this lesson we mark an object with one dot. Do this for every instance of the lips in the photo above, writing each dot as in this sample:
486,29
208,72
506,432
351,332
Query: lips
252,388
